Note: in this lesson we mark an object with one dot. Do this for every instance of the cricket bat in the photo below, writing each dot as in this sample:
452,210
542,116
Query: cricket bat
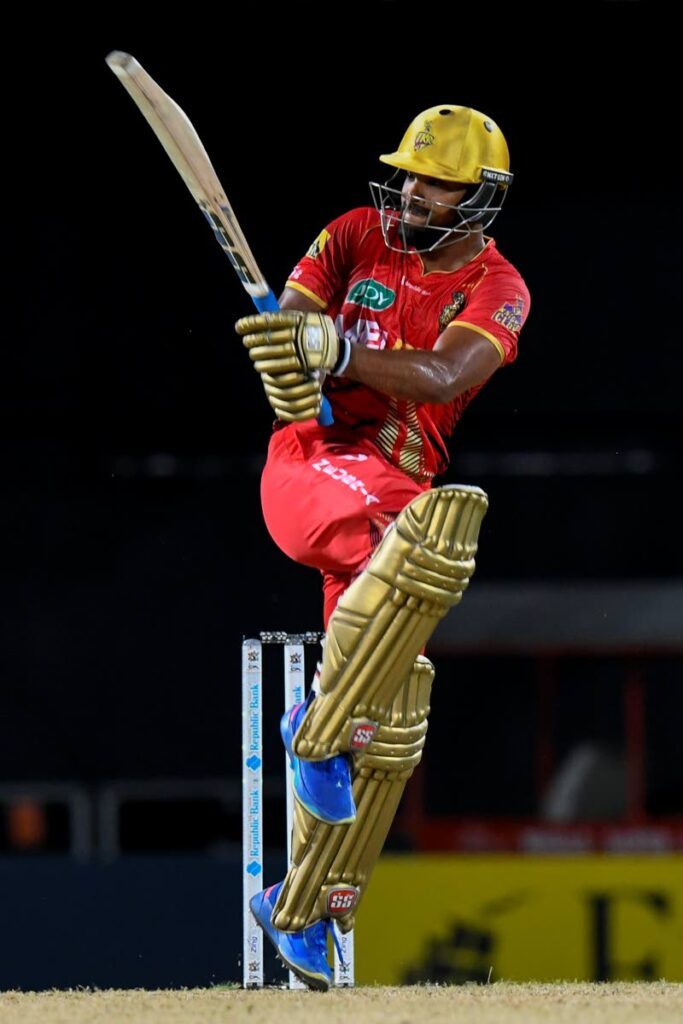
177,135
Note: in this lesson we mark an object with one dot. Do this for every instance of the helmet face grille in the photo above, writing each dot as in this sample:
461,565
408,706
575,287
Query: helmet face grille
476,211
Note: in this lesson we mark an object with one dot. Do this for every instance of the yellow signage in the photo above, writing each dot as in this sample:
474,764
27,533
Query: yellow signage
448,918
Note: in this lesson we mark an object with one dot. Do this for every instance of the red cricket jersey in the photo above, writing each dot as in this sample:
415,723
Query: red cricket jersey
383,299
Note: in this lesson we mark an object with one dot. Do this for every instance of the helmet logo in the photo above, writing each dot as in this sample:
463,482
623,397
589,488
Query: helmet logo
488,126
424,138
450,311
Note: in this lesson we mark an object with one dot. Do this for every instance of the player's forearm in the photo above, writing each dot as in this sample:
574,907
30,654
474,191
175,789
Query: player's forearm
417,376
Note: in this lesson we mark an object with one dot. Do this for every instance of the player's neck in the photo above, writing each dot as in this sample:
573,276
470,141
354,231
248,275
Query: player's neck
452,257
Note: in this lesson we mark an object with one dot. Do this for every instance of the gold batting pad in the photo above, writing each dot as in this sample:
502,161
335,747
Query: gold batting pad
332,864
420,570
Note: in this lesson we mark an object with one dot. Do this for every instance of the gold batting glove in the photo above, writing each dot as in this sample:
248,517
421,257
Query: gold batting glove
292,342
292,396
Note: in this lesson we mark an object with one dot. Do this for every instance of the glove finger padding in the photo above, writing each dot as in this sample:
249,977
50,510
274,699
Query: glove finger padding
293,397
256,322
271,357
288,341
295,385
285,381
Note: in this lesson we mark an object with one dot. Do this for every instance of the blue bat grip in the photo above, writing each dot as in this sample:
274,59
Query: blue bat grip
269,304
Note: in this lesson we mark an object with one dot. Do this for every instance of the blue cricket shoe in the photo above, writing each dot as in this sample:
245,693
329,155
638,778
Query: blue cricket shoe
324,788
303,952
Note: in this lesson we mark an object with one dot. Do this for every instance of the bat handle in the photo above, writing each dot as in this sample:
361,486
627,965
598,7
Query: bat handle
269,304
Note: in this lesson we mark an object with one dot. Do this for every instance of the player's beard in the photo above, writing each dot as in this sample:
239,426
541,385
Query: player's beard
424,237
420,237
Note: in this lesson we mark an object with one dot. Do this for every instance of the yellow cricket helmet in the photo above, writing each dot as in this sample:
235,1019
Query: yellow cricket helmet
449,143
453,144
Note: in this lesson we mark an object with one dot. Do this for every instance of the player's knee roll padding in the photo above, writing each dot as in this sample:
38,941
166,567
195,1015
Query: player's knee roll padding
331,864
420,570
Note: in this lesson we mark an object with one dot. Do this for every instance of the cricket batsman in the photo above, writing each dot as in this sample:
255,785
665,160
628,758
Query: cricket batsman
399,314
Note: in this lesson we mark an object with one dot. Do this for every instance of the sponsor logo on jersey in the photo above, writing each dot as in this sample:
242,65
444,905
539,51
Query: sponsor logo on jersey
317,247
367,333
413,287
341,899
450,311
372,294
424,138
510,314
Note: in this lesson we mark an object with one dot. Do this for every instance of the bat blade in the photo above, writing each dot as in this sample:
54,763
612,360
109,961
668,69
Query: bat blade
177,135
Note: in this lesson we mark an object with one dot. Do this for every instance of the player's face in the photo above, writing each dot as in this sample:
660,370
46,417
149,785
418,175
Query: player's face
418,195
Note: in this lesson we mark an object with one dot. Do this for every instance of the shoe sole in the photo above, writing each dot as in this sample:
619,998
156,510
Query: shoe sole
314,981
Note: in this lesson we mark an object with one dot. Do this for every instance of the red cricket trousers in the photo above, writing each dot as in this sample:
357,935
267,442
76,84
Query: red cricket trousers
327,497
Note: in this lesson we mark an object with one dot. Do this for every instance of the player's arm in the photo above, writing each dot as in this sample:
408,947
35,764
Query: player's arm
302,339
293,299
461,359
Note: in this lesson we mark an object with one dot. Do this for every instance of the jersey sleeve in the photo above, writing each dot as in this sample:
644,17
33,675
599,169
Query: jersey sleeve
323,271
498,309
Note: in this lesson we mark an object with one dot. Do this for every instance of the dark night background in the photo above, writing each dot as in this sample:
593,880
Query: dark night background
133,427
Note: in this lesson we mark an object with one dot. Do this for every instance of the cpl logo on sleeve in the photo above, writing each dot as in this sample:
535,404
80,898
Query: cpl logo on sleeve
510,314
317,247
372,294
